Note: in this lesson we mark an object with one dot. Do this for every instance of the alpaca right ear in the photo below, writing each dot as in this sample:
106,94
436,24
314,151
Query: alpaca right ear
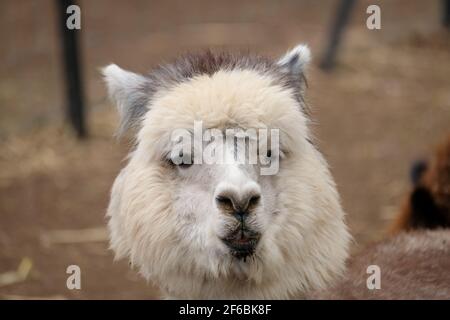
296,60
130,92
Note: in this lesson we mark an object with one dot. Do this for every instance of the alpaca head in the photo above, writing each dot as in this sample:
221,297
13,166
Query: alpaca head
224,194
428,204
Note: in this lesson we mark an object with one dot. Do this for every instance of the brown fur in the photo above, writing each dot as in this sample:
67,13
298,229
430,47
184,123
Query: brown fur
413,265
428,204
414,262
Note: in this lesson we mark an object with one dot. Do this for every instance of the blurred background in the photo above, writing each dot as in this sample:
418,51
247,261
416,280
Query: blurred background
385,104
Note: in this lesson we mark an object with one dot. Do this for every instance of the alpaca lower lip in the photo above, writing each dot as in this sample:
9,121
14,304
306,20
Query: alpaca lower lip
242,243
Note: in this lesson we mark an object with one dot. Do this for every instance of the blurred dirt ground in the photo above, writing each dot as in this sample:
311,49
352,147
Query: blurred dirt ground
386,104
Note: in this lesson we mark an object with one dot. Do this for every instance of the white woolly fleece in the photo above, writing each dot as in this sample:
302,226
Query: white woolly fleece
304,241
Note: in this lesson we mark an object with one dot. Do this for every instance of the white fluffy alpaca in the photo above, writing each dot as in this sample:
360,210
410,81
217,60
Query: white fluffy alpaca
224,230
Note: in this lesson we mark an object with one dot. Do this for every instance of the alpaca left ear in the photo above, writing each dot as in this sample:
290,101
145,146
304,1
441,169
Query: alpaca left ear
130,92
296,60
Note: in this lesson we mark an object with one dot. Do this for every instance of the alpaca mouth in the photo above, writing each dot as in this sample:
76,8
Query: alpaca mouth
242,242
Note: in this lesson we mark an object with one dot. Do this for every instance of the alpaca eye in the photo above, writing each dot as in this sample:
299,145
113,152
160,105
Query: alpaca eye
184,165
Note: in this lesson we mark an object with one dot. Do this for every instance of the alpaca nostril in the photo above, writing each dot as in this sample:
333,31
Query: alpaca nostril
254,201
224,201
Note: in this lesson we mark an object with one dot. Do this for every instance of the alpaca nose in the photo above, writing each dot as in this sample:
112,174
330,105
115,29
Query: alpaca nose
237,205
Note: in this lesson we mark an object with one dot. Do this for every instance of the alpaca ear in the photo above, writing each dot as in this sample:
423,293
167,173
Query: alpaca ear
296,60
129,91
417,171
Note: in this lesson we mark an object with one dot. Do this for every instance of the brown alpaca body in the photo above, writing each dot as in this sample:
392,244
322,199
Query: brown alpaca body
413,265
414,262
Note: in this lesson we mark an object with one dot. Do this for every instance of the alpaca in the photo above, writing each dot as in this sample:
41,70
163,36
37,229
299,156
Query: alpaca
428,204
414,261
412,265
224,230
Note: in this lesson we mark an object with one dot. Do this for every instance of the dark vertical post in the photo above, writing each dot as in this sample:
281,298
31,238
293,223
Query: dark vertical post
72,72
446,13
337,28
